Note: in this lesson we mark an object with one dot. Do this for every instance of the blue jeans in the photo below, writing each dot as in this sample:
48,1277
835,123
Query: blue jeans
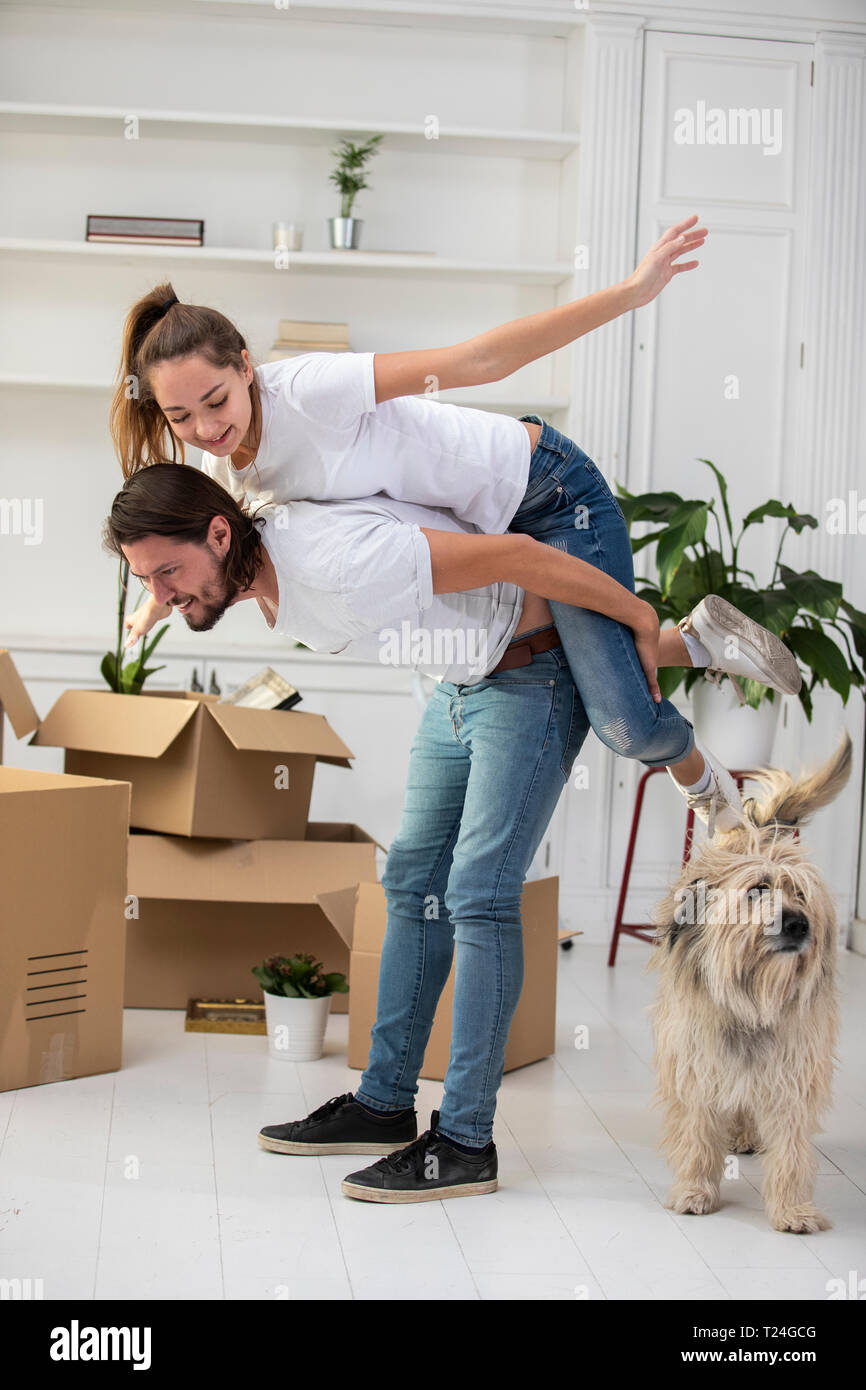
486,770
569,505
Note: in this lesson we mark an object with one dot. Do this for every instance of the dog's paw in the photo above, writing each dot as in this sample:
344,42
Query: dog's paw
694,1201
802,1220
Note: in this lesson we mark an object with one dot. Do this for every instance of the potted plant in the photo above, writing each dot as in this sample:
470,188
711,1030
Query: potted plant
297,1003
128,678
350,178
736,714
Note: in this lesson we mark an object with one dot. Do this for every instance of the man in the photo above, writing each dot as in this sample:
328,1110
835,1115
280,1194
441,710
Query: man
494,749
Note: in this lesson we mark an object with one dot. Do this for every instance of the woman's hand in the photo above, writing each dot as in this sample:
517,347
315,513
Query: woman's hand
143,619
657,268
646,641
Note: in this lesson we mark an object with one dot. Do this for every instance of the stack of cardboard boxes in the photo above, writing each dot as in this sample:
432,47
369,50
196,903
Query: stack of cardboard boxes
203,811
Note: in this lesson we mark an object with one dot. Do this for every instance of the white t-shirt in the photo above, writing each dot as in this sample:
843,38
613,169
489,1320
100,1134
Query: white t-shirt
325,438
356,577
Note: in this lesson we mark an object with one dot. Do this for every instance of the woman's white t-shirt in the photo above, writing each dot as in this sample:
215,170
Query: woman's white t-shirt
324,438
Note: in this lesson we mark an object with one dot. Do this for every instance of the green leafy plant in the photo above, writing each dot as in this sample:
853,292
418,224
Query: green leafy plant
128,678
350,173
797,607
298,977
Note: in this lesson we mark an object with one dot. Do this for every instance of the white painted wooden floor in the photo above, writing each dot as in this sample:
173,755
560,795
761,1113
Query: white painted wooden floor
579,1211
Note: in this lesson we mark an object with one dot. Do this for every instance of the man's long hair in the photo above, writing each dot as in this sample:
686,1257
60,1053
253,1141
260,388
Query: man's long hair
178,500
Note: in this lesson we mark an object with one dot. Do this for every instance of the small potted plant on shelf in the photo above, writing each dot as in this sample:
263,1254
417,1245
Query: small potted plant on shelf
128,678
350,178
297,1003
797,607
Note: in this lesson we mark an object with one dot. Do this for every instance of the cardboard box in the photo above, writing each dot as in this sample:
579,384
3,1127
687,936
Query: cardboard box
359,915
197,767
15,700
209,910
62,935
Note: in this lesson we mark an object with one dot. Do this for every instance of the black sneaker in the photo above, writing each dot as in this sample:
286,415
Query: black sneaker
341,1126
425,1171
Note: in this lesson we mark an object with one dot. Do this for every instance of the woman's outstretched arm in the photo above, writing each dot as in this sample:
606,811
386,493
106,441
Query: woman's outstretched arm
462,561
496,354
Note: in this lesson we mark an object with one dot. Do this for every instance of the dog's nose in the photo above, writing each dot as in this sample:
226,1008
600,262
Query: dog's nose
795,926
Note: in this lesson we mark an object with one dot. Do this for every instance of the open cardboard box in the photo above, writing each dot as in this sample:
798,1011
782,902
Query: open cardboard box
197,767
359,915
209,910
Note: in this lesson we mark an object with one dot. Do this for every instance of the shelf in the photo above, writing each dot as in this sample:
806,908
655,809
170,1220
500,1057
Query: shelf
383,263
548,18
30,117
478,398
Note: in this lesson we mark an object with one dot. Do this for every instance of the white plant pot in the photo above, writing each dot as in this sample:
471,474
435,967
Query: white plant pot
741,737
296,1027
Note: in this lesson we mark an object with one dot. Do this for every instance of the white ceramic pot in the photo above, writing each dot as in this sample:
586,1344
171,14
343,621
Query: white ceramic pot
296,1027
741,737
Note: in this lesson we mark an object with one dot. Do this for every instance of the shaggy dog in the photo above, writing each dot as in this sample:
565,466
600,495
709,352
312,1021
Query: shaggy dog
745,1020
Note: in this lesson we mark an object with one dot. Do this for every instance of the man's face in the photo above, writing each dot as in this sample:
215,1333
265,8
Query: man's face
186,576
208,407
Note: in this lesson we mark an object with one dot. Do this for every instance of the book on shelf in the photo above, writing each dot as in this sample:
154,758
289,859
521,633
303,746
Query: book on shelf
310,345
150,231
292,330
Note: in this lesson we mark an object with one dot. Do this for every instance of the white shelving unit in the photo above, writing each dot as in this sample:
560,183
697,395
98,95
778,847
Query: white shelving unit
490,204
236,108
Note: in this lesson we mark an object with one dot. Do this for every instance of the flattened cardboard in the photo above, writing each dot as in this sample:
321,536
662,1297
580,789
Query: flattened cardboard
198,768
359,916
209,910
63,844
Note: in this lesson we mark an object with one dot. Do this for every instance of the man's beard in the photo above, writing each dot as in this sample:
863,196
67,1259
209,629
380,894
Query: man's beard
213,605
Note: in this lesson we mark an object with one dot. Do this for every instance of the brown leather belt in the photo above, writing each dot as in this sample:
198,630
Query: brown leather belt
523,649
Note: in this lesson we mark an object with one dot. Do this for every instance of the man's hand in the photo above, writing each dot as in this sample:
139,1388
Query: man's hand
143,619
646,641
657,269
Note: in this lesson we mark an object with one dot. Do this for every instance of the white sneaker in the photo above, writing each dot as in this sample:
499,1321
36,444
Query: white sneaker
761,656
720,806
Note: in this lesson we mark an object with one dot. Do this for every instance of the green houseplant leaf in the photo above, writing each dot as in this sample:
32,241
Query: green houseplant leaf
795,606
298,977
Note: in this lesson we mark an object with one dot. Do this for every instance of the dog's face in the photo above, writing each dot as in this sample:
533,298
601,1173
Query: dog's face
750,924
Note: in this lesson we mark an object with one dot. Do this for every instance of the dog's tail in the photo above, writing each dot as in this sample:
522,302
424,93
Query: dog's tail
788,802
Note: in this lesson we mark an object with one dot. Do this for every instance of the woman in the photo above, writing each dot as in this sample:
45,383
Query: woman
330,426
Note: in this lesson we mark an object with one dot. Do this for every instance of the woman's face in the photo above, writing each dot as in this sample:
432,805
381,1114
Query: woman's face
207,407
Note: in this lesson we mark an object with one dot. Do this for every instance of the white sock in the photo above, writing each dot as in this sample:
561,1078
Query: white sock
696,649
702,783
